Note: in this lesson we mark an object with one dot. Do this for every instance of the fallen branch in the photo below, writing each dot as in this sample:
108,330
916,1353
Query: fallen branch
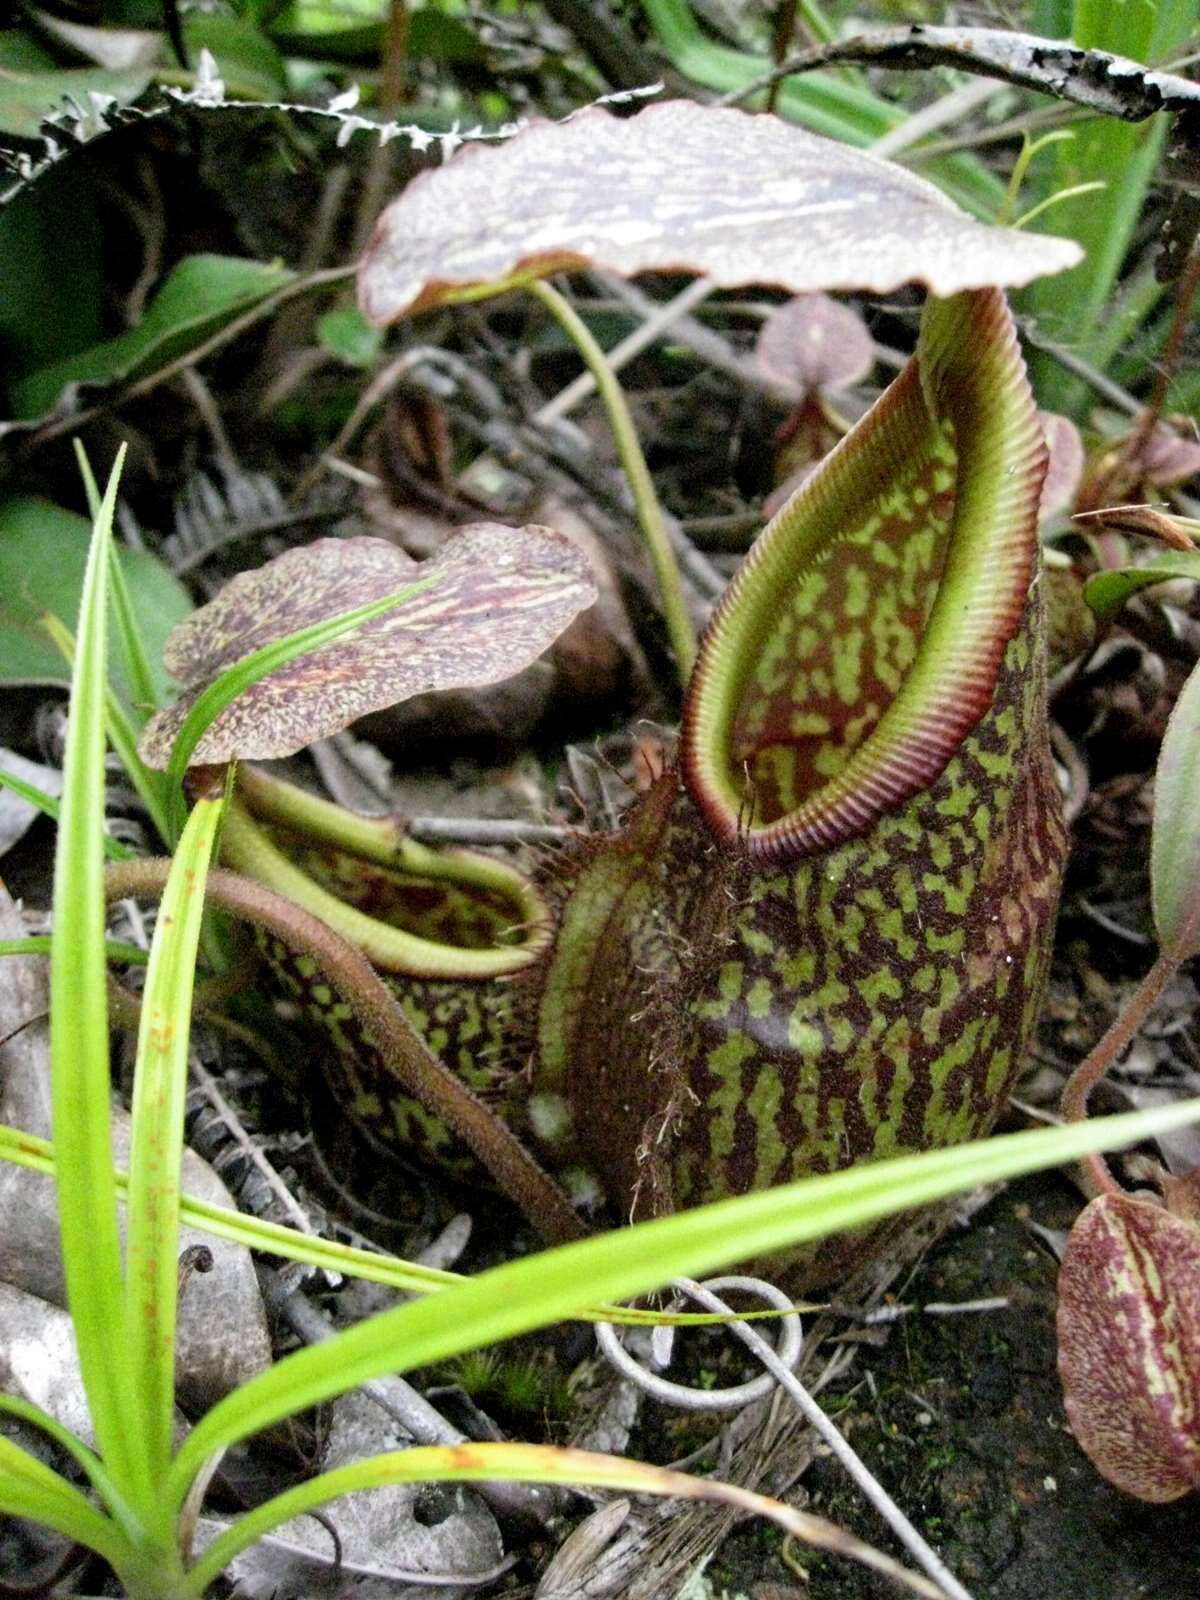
1113,86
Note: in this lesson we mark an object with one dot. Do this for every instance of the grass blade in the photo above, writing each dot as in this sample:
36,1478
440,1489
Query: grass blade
274,1238
1124,155
48,805
29,1489
80,1087
156,1136
133,651
531,1463
87,1459
38,944
122,735
558,1283
151,786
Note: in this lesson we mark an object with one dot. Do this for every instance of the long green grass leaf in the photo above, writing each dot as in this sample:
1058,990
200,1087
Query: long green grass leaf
133,650
156,1136
138,672
91,488
37,1155
49,806
151,786
87,1459
80,1087
38,944
29,1489
631,1261
122,735
529,1463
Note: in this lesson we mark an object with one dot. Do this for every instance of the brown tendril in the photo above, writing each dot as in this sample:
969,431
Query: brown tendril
1097,1178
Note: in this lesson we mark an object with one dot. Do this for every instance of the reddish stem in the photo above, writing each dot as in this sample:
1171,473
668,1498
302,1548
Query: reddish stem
1097,1178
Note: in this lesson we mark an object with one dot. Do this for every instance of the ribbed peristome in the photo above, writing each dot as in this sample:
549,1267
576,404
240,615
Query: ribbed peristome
861,641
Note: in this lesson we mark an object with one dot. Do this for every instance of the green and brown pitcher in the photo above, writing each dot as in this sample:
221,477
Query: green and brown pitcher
821,937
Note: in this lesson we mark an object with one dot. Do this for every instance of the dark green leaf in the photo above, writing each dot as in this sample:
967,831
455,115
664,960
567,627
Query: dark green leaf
1107,592
52,300
248,63
201,295
43,550
330,34
19,51
26,97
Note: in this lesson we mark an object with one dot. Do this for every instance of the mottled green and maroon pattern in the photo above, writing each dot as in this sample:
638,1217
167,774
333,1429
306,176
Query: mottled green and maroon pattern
642,908
465,916
870,1001
771,971
876,999
840,642
464,1024
861,640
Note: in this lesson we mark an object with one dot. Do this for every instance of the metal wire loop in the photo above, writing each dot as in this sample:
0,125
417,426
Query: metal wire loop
736,1396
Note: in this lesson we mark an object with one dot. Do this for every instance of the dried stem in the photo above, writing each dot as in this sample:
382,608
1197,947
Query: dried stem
1097,1177
516,1173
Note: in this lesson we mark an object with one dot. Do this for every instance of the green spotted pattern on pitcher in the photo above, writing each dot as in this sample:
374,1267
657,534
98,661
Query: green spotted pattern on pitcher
822,936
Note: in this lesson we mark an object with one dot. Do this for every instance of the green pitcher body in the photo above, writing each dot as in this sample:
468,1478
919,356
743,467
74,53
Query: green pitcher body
763,1025
821,938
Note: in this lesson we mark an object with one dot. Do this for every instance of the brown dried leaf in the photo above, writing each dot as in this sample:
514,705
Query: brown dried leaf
1143,519
500,596
682,187
1129,1345
814,342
